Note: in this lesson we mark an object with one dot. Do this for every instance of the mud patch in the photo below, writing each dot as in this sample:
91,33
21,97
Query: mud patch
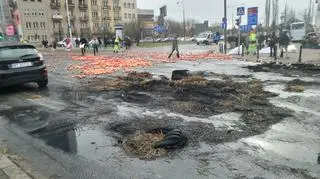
287,70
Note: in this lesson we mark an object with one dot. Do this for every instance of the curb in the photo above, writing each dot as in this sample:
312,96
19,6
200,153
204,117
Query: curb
8,170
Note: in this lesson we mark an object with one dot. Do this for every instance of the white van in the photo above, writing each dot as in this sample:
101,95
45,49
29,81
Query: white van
205,38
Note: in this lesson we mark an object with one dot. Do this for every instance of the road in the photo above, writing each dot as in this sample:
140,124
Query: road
79,143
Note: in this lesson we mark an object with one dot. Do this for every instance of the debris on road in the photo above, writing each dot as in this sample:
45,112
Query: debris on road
98,65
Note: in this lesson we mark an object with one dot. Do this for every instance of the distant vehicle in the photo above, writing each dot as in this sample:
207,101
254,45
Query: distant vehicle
205,38
21,63
298,31
168,39
147,39
158,40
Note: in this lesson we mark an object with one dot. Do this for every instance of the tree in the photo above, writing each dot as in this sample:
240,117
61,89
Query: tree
216,28
174,27
133,30
268,13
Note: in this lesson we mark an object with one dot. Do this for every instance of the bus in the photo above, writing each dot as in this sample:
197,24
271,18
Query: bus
298,31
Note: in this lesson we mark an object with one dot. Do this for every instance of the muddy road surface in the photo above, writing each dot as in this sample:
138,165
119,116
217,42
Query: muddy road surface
238,123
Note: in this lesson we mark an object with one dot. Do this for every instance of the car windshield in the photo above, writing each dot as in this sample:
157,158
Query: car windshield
16,52
202,35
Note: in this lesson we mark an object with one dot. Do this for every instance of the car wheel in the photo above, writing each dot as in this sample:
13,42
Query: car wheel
198,43
42,84
206,42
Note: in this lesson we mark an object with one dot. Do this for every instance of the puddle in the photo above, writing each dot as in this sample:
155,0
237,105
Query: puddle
29,118
90,142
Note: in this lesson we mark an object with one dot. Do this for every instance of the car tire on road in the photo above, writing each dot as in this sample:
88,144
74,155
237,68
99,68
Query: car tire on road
42,84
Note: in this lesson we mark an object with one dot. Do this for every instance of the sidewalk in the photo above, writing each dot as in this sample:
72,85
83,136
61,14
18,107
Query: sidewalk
308,56
9,170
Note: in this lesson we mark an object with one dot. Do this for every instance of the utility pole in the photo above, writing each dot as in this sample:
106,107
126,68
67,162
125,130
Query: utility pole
184,18
225,30
68,17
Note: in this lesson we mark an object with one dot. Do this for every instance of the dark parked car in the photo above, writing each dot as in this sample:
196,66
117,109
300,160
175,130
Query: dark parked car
21,63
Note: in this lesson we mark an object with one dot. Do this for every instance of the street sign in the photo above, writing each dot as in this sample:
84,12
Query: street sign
158,28
245,28
240,11
253,16
223,25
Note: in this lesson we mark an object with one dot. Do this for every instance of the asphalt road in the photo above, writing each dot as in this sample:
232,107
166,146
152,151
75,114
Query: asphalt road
78,145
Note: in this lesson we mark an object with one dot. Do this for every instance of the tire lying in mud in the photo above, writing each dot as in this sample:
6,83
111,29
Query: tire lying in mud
179,74
172,140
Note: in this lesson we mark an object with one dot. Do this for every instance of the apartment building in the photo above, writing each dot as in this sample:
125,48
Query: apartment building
48,19
129,12
5,15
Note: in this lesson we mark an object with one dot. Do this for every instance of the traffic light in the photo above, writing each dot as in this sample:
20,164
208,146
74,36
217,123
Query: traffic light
238,22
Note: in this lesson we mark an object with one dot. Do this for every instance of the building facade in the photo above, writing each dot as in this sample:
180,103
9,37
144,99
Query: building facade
146,18
34,19
129,12
48,19
5,15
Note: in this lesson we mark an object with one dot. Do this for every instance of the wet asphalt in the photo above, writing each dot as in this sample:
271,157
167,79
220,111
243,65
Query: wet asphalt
62,131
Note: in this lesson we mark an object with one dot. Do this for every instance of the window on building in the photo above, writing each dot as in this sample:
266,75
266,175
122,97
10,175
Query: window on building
39,0
129,16
94,14
96,25
133,16
105,3
125,5
129,5
125,15
132,5
94,2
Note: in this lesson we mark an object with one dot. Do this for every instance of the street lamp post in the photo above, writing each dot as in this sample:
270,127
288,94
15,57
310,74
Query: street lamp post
184,19
68,18
225,29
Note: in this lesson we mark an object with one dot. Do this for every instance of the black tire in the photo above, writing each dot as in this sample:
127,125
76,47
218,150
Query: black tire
43,84
198,43
206,42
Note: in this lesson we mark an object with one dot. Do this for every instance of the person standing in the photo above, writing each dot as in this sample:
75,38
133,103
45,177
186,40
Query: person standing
252,43
116,46
284,41
95,45
175,47
273,40
82,44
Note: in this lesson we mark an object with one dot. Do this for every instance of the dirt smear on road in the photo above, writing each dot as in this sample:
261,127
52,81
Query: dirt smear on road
298,69
189,104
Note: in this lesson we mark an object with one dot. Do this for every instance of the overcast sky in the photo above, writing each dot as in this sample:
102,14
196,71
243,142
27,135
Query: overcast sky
212,10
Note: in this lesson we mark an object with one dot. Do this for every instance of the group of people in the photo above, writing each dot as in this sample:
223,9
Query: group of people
271,41
96,43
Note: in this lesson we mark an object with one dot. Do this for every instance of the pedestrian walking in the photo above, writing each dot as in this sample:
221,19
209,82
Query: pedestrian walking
95,45
68,44
82,44
273,41
77,42
284,41
175,47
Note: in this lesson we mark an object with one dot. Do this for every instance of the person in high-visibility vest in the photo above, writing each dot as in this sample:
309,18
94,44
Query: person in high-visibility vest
252,43
116,47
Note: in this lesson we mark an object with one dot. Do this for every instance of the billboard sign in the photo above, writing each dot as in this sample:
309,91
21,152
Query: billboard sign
253,16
